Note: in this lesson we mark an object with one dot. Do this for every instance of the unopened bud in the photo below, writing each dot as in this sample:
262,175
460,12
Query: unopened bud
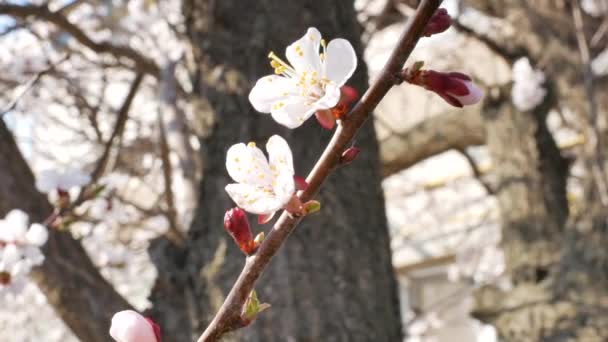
349,155
455,88
311,207
439,22
237,225
252,308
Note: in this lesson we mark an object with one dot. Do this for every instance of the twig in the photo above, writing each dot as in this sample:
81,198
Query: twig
119,126
30,83
228,317
142,63
477,172
88,192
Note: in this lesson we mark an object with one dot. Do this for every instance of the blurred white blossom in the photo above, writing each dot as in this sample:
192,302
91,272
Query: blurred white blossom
595,8
19,249
51,180
528,90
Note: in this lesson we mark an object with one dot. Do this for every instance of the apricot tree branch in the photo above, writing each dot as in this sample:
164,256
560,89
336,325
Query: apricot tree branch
228,317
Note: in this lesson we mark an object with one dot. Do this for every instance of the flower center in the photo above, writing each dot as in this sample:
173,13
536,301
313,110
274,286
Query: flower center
309,84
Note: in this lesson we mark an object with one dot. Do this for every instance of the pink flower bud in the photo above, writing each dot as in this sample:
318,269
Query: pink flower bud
130,326
440,21
237,225
349,155
455,88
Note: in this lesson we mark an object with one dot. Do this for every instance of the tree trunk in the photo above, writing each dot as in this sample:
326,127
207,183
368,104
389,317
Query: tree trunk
333,280
558,264
83,299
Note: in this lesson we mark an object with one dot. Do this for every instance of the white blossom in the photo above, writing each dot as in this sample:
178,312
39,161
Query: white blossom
263,186
528,90
130,326
595,8
312,82
50,180
19,249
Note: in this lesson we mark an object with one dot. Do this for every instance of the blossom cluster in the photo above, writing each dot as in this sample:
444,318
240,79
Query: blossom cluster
528,90
19,249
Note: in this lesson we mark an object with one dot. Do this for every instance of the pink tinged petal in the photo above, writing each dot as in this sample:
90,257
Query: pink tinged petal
279,156
301,183
130,326
325,118
293,113
303,54
340,61
259,201
247,164
155,327
263,219
348,94
474,94
268,90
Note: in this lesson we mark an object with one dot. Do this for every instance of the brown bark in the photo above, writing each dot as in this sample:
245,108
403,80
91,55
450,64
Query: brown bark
454,130
73,286
333,281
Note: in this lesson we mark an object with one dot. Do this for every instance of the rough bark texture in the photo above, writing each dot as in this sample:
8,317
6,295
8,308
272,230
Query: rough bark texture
73,286
333,281
557,266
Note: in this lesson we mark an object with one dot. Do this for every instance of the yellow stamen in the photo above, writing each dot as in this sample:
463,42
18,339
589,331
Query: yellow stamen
251,144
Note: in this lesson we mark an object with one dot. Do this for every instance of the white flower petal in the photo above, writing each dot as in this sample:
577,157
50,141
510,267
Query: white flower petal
303,54
293,113
340,61
284,188
330,99
130,326
279,156
247,164
11,254
268,90
37,235
260,201
16,222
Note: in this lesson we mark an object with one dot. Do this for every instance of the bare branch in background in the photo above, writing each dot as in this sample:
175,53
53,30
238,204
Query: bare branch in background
142,63
453,130
32,81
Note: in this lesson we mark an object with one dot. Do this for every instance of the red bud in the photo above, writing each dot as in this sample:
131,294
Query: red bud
440,21
237,225
455,88
349,155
